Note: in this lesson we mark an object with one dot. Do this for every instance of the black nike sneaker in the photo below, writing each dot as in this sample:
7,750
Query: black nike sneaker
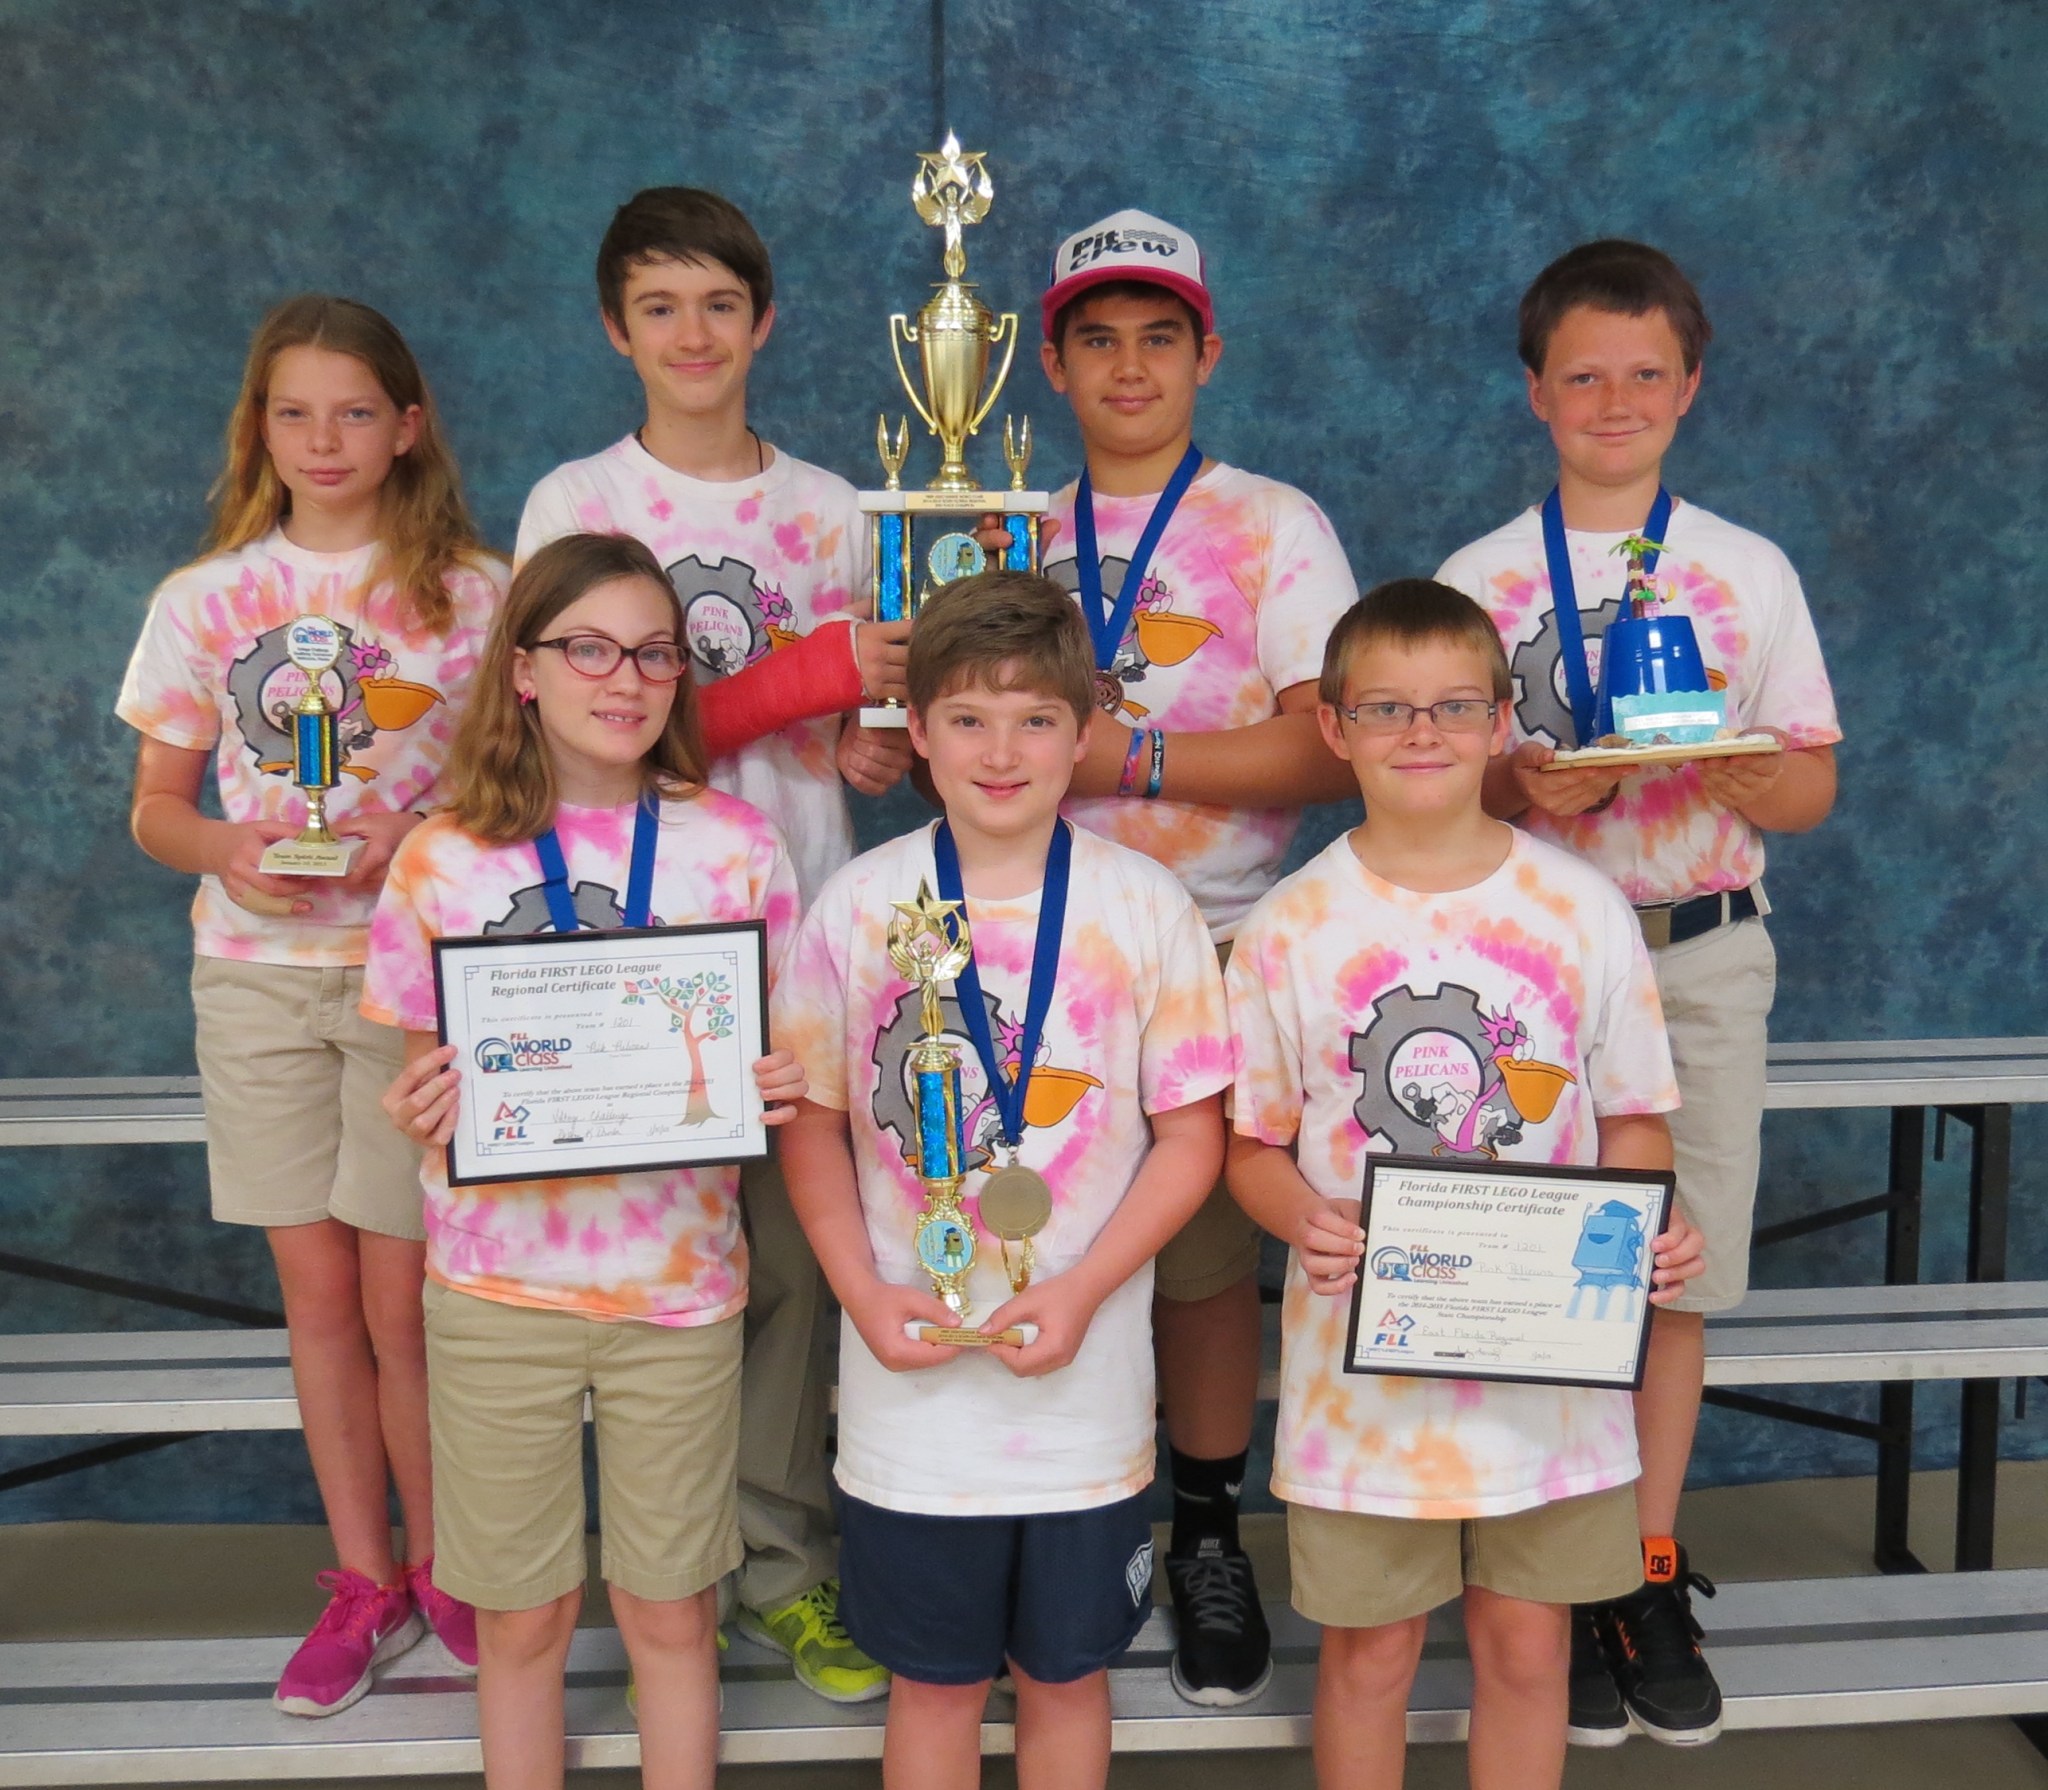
1653,1644
1223,1651
1598,1716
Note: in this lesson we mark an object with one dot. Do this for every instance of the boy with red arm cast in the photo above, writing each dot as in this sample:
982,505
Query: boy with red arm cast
994,1510
1431,923
1208,593
769,557
1611,338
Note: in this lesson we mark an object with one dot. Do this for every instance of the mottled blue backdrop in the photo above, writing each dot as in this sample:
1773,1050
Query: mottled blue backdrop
1856,188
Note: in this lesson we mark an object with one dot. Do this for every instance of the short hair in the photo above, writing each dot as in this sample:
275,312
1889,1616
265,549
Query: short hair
1002,631
1411,612
1627,278
1139,289
681,223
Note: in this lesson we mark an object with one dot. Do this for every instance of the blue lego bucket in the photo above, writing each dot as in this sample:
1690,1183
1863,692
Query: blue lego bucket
1647,657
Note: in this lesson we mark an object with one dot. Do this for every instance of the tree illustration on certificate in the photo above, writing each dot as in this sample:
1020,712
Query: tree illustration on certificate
701,1007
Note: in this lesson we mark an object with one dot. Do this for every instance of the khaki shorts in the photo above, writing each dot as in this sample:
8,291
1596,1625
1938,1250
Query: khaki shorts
1354,1571
505,1386
292,1074
1717,991
1216,1248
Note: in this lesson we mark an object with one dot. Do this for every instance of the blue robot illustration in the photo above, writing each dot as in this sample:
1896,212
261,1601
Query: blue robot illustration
1609,1259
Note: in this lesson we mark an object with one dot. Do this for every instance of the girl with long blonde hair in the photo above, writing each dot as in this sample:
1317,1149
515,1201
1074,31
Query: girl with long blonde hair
339,524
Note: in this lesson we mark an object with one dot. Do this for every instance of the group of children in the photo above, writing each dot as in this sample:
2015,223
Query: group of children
1119,750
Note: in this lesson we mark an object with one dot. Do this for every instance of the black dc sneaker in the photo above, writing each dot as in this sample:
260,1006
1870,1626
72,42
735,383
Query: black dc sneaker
1597,1716
1653,1643
1223,1651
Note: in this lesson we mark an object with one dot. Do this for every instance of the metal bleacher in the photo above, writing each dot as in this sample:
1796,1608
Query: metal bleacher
1905,1646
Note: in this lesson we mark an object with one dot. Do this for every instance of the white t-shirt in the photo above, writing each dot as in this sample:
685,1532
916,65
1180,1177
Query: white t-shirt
1662,840
758,562
1137,1026
1236,606
663,1246
210,673
1503,1019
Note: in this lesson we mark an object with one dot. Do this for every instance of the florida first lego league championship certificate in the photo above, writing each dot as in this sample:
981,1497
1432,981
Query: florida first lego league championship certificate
604,1053
1506,1271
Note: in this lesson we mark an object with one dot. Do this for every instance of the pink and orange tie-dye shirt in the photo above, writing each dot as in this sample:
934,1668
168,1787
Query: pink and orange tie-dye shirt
210,674
1235,608
1137,1026
758,562
665,1245
1662,840
1502,1021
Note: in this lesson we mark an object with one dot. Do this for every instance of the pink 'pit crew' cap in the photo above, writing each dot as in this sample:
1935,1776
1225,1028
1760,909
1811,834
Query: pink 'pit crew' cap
1128,245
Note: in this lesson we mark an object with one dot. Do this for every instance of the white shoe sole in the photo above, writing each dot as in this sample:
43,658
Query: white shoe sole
1216,1696
392,1645
1677,1736
1599,1737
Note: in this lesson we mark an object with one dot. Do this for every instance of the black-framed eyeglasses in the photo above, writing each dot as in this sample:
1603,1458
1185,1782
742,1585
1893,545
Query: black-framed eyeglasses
1455,714
598,655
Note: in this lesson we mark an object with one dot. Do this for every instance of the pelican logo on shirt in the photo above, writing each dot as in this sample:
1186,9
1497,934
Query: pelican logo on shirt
730,619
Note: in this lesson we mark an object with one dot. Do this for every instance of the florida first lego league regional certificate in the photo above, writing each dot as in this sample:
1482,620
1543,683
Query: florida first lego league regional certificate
1506,1271
601,1053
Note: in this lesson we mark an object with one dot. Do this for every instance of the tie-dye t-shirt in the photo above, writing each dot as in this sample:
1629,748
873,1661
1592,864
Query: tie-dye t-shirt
1662,840
1235,608
663,1245
210,674
1500,1020
1136,1027
758,562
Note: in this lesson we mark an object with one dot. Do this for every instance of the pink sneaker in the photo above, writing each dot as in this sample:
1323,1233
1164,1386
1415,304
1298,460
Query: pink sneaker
449,1617
364,1625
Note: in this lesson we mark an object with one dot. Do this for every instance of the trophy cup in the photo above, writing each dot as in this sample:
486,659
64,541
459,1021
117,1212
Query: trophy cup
954,335
925,950
313,644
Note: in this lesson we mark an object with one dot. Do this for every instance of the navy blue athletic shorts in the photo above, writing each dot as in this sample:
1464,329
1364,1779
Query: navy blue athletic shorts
946,1600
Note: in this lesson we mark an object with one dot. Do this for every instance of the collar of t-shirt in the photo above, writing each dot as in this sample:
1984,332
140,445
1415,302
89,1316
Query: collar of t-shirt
706,491
1397,895
349,564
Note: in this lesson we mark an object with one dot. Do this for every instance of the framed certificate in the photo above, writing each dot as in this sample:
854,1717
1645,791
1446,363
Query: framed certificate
1506,1271
603,1053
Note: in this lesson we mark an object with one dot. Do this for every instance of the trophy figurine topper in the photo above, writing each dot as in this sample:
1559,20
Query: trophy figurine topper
955,336
313,644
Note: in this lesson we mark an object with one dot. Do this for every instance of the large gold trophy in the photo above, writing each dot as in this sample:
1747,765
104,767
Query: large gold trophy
955,336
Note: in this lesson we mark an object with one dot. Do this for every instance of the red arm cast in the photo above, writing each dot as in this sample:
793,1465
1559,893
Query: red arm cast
816,675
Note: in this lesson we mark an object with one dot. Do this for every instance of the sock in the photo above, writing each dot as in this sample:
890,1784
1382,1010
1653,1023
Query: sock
1660,1559
1205,1502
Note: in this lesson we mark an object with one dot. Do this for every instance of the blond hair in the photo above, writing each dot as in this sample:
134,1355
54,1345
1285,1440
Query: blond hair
1002,631
424,530
501,777
1406,612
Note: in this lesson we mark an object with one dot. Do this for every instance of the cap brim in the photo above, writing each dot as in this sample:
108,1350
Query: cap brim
1077,283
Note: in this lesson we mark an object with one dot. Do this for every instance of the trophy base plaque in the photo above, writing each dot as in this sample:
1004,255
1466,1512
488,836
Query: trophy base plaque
311,857
950,1336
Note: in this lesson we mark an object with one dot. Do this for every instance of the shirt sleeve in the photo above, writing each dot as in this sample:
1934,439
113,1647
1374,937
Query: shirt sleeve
1788,688
164,693
1308,588
809,1007
550,514
1628,1058
1185,1051
398,968
777,901
1266,1097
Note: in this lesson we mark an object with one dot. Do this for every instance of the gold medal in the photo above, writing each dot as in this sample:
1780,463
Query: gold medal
1015,1203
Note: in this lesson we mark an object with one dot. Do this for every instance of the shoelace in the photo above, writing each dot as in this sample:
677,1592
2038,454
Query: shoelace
824,1608
1214,1594
352,1610
1666,1623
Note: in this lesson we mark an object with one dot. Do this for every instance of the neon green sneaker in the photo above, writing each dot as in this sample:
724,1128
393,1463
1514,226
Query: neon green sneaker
807,1628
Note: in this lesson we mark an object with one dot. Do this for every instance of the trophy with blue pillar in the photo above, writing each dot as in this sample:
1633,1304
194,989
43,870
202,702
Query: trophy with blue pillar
314,644
924,539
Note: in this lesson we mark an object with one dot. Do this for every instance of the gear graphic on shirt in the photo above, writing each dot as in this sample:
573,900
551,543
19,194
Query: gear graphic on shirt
264,699
892,1105
597,910
724,623
1403,1106
1542,710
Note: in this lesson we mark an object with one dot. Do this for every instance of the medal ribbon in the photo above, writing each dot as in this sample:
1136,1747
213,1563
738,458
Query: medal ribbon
1109,625
554,871
1045,961
1564,603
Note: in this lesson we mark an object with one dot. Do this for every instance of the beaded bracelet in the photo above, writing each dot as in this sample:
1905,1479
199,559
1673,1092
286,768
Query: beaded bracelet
1127,784
1158,771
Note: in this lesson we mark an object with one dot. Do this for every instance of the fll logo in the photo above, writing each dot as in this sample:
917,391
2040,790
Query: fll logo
1417,1262
520,1051
1394,1330
509,1123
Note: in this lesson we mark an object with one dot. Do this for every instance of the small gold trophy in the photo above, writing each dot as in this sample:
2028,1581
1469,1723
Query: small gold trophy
313,644
954,335
928,944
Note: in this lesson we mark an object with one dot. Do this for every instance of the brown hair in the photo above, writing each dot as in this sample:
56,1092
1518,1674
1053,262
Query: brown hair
1003,631
1139,289
1410,612
1630,279
500,777
681,223
424,530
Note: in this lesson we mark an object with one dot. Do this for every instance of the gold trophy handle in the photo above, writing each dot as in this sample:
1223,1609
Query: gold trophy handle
1005,332
899,333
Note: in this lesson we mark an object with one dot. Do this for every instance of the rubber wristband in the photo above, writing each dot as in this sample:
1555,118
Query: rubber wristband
1158,772
1127,784
816,675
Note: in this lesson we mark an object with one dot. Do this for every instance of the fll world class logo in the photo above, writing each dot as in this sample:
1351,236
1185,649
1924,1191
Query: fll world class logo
522,1051
1418,1262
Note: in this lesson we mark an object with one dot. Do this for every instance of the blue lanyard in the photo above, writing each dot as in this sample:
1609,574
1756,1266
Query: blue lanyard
1564,603
1045,964
1106,625
554,872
